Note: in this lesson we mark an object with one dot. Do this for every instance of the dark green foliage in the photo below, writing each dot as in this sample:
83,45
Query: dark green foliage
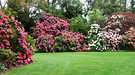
63,45
56,12
79,24
2,67
111,8
73,11
95,16
5,54
6,57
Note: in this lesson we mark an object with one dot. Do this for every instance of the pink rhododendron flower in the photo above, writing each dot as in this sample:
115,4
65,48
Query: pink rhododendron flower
32,60
7,36
1,23
28,59
11,36
1,13
13,18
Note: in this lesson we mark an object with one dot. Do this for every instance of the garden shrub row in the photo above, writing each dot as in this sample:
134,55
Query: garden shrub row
52,35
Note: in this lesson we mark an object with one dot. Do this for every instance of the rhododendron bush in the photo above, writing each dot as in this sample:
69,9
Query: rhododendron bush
13,37
115,27
52,35
129,38
103,40
112,40
96,40
120,21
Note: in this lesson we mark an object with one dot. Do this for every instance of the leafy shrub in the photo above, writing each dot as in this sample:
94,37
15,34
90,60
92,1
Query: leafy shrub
79,24
95,16
31,41
13,37
2,67
7,57
96,40
50,30
129,38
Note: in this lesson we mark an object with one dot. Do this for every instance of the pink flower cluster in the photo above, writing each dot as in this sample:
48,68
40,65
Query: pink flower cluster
48,31
129,37
114,24
24,50
5,32
112,40
69,41
119,21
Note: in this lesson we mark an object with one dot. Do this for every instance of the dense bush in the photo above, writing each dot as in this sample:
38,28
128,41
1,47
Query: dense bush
70,41
79,24
121,21
13,37
49,32
129,38
112,40
115,26
7,57
96,40
95,16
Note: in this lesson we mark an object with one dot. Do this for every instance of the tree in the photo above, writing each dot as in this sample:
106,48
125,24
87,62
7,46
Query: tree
68,8
107,6
27,10
73,11
132,6
78,24
95,16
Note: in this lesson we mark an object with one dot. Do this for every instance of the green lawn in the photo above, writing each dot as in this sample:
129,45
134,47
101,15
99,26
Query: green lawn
87,63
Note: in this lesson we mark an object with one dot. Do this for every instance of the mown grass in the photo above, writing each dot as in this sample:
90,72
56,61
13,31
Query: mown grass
83,63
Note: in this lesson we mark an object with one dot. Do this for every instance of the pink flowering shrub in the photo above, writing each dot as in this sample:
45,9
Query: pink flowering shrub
69,41
52,35
129,38
115,27
112,40
119,21
7,56
115,24
13,37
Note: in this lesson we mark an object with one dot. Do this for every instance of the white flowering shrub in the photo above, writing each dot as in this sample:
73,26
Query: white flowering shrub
96,41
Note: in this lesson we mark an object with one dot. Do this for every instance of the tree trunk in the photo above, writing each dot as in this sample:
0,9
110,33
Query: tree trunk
125,4
48,2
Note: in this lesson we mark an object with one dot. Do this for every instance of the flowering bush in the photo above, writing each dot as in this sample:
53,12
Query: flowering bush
129,38
115,26
13,37
120,21
7,56
112,40
70,41
52,35
95,36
